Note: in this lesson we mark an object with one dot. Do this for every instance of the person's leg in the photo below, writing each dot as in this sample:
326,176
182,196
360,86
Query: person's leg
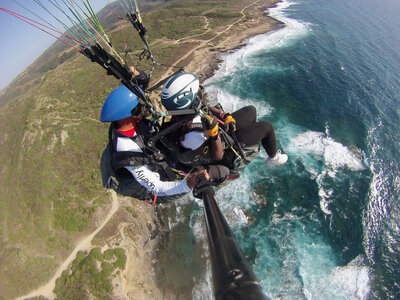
217,173
269,140
245,116
251,132
260,131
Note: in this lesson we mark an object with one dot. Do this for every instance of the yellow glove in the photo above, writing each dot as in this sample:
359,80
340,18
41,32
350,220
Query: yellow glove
230,122
210,125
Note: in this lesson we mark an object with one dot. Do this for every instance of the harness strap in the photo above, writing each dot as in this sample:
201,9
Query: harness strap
154,200
171,128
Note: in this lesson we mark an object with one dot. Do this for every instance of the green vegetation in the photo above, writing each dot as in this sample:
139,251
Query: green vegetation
19,268
221,17
131,211
51,143
89,276
50,149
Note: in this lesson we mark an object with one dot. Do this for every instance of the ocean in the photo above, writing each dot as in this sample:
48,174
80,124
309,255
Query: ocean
326,225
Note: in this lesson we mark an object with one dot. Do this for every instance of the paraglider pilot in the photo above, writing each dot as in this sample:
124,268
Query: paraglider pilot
127,152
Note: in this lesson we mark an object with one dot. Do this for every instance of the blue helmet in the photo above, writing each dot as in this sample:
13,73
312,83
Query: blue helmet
118,105
180,92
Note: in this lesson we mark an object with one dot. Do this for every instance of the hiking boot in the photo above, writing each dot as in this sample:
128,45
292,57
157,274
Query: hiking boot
279,159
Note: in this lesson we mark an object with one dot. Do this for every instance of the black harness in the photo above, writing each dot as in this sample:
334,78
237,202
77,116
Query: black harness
122,159
189,157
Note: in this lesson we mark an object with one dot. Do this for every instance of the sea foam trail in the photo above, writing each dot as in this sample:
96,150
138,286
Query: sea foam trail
285,37
291,260
323,147
316,148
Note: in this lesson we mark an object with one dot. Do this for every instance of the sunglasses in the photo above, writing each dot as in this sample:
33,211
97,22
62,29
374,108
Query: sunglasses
196,103
137,110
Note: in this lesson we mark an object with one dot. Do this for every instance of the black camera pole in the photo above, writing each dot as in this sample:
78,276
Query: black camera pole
233,277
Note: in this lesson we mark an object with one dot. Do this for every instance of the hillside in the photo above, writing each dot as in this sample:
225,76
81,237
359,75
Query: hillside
58,53
51,142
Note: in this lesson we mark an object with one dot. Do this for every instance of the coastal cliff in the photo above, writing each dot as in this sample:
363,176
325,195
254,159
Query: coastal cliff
52,198
158,271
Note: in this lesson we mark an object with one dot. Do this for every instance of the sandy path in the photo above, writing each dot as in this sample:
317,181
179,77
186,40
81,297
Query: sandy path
84,244
203,43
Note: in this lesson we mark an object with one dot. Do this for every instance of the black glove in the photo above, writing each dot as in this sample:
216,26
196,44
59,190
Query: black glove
202,185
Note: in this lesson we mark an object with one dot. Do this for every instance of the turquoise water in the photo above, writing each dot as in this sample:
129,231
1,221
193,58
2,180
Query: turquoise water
326,224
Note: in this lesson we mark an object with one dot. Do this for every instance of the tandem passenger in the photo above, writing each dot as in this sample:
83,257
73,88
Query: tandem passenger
203,136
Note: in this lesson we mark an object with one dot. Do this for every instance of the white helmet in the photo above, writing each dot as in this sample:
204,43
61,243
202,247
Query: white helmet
180,92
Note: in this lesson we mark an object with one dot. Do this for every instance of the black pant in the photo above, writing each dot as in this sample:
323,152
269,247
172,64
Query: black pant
251,132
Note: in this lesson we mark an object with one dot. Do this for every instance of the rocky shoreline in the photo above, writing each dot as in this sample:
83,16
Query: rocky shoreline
207,60
166,257
152,236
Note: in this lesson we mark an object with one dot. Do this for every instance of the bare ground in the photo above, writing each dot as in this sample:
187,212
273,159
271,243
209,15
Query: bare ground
140,235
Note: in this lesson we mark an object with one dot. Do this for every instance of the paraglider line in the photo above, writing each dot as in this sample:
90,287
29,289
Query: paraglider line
26,19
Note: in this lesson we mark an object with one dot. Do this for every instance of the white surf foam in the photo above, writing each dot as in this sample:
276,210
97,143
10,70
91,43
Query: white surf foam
235,200
324,195
353,278
323,279
316,148
317,263
333,154
306,267
284,37
232,102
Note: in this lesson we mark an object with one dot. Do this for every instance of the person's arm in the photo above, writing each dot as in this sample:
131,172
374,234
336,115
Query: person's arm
226,117
215,150
215,111
141,77
152,182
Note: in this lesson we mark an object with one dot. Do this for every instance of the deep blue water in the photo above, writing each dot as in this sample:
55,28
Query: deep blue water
329,81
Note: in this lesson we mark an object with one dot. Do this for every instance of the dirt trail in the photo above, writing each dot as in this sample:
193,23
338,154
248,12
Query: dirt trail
84,244
203,43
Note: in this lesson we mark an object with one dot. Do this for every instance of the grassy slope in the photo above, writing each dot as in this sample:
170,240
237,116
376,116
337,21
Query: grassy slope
51,142
51,152
89,275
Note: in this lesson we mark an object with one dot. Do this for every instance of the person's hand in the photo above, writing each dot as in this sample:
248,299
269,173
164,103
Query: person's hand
230,122
210,125
191,180
134,71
